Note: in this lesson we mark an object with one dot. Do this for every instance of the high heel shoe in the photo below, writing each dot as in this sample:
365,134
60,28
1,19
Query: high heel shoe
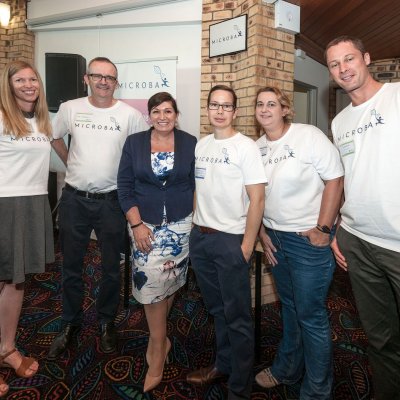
24,367
150,382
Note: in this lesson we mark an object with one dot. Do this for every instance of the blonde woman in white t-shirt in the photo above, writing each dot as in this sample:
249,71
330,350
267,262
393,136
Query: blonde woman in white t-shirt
302,199
26,241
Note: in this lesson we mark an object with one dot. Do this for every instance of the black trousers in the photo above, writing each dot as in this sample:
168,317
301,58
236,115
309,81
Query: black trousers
223,277
78,216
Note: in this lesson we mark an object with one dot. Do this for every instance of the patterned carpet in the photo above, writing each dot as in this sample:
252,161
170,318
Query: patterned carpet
85,373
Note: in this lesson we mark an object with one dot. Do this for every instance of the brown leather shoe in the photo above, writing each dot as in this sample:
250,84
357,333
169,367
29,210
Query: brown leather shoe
204,376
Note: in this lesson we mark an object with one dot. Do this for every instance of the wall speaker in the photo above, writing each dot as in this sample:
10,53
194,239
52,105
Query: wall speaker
64,78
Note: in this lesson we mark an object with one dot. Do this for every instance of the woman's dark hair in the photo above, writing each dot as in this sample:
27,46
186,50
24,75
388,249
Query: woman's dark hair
159,98
227,89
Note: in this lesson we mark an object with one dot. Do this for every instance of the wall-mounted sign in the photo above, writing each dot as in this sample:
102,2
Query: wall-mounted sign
228,37
139,80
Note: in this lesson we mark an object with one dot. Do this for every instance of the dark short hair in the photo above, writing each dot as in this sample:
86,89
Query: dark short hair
159,98
357,43
223,87
102,59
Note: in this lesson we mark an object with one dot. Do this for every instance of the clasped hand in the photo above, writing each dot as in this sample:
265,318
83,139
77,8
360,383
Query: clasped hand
144,238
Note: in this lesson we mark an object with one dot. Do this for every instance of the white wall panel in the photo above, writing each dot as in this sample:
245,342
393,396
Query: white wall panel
171,39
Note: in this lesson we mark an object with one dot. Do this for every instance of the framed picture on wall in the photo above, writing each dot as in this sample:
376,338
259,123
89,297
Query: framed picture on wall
228,37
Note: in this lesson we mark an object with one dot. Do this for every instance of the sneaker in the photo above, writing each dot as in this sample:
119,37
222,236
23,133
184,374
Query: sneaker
266,379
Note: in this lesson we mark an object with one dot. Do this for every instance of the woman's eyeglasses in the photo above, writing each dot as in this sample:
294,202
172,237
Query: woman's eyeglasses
226,107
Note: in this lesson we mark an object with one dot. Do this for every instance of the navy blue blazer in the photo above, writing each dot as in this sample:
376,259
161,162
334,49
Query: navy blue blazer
138,186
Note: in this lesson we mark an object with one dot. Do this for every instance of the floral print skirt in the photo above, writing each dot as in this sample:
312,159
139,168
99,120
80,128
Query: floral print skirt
160,273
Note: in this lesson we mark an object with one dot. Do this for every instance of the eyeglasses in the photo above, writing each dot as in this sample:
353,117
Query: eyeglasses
225,107
99,77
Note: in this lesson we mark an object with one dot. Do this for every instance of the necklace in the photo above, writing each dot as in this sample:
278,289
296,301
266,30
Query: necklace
28,114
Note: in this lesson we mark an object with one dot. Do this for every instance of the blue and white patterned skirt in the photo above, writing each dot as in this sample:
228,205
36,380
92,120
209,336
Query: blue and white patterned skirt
160,273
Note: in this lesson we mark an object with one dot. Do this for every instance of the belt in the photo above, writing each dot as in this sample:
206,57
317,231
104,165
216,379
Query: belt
206,229
113,195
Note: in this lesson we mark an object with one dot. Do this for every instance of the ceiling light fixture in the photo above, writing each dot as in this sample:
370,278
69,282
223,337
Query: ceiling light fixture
4,14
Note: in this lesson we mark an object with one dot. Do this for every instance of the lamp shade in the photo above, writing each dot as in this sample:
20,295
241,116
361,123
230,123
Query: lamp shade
4,14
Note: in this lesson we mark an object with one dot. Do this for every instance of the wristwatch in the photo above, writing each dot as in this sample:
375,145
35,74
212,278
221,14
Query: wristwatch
324,229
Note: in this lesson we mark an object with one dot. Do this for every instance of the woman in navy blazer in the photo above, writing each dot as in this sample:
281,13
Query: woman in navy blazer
155,190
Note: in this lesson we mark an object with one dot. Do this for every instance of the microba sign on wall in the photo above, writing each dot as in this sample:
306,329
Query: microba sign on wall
228,37
139,80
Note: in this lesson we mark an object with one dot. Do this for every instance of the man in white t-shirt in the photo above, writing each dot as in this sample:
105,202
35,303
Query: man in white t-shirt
230,182
368,241
98,125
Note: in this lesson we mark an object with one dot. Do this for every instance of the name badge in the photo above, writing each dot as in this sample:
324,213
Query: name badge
200,173
347,148
264,151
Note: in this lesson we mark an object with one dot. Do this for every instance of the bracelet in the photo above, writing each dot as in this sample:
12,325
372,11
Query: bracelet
324,229
136,225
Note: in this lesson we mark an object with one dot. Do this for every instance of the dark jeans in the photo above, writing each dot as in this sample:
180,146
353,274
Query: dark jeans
302,277
223,277
77,217
375,279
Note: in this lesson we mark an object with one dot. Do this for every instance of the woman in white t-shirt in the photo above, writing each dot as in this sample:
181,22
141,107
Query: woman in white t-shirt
305,183
26,235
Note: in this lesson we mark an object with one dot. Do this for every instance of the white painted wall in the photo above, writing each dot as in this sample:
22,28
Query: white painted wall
167,30
315,74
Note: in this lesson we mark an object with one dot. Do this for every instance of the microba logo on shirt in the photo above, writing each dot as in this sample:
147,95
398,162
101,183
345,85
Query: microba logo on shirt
30,139
216,160
376,119
235,34
157,83
84,120
286,154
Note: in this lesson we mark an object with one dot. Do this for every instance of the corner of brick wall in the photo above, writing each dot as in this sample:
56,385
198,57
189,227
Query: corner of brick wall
16,42
268,60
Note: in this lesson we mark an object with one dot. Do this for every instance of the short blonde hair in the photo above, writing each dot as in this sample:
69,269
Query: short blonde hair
283,99
14,122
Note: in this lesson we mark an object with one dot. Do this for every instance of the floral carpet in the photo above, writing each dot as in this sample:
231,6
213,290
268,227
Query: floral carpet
83,372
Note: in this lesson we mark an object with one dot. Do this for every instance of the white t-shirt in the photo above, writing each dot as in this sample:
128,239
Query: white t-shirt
296,166
24,163
368,138
223,168
97,138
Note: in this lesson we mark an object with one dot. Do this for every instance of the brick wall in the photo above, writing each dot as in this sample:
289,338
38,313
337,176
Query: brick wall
16,42
269,59
386,70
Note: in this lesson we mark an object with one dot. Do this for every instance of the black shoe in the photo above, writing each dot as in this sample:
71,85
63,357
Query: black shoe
108,337
62,341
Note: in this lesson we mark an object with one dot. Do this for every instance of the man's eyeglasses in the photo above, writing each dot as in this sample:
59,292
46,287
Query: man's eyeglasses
99,77
225,107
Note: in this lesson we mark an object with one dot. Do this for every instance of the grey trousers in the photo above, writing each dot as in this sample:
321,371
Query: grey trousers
375,279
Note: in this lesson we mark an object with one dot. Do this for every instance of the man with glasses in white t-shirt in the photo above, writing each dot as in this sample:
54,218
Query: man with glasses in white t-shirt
99,125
